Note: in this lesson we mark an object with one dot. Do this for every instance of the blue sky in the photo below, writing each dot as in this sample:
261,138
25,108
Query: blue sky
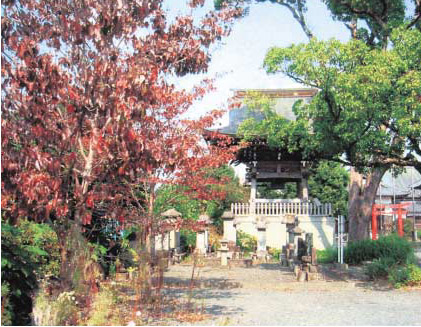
237,62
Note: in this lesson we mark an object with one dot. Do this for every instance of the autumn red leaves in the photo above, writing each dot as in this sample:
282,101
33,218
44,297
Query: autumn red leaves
88,114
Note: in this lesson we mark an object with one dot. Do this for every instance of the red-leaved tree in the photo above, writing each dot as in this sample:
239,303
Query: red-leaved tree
88,115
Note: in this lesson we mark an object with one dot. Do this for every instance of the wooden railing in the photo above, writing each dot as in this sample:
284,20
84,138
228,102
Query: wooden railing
281,208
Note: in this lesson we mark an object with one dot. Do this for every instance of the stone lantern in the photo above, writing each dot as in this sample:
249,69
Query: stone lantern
171,239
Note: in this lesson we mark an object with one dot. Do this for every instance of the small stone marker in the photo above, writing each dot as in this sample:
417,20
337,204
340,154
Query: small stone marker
313,256
301,276
313,269
311,276
224,252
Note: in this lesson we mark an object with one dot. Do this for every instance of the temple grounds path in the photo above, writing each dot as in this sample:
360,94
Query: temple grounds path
269,295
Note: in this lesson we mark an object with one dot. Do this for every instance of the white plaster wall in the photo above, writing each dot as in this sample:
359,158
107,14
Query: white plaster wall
173,239
276,235
323,229
247,227
162,242
200,242
229,230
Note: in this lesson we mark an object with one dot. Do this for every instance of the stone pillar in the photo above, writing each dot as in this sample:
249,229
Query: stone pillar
200,242
173,240
206,240
166,241
230,233
224,252
177,240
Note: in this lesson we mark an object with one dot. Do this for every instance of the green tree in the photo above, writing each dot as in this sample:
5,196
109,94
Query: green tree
367,113
228,190
328,182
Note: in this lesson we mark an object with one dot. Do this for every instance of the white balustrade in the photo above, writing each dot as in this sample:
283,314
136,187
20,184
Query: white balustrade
279,208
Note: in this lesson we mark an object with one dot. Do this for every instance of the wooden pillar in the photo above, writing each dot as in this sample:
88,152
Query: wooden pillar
304,189
304,181
253,195
374,222
253,189
400,222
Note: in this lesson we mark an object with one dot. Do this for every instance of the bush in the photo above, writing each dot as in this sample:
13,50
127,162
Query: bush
379,268
328,255
246,242
59,310
102,307
7,310
187,240
394,247
29,252
408,227
409,275
275,253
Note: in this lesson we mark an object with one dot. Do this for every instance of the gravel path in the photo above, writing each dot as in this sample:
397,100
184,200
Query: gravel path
269,295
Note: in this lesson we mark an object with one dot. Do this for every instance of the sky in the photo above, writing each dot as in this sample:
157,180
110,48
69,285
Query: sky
237,62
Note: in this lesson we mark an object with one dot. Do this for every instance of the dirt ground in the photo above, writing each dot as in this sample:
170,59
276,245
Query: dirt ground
268,294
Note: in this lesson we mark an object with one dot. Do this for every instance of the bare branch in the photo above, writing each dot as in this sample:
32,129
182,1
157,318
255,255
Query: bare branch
298,14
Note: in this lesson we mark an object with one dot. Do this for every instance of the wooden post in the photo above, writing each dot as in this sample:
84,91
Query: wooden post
400,223
374,222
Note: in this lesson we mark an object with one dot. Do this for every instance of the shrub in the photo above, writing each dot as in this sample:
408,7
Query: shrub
246,242
29,252
398,276
55,311
328,255
409,275
379,268
187,240
408,227
6,317
414,275
275,253
102,307
394,247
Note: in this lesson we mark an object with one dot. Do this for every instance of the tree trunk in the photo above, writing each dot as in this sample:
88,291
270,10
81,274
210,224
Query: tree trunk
361,198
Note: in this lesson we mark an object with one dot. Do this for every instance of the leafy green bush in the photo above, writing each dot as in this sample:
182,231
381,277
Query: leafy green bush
6,317
414,275
409,275
246,242
408,227
328,255
187,240
398,276
379,268
29,252
275,253
59,310
394,247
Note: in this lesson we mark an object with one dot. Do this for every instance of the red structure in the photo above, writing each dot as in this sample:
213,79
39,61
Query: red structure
388,209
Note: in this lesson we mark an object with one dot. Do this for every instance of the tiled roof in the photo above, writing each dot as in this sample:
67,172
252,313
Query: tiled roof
284,100
401,185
